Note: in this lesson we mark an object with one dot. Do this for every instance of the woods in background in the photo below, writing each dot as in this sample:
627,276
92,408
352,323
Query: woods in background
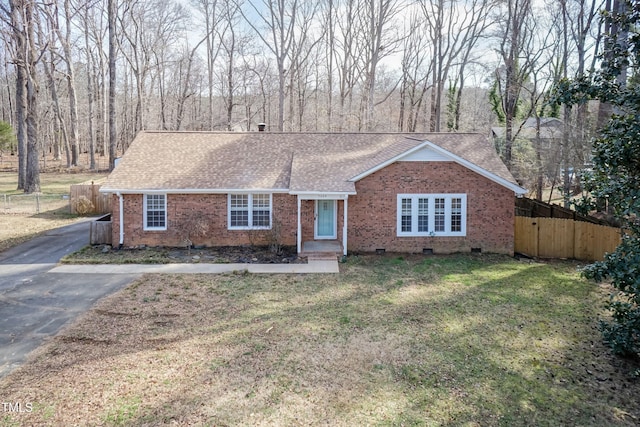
86,76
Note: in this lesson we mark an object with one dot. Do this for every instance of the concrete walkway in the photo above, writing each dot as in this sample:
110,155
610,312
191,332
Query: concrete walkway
313,266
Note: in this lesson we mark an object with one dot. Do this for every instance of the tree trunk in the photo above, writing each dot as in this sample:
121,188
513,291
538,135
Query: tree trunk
71,84
32,183
90,94
20,39
112,83
32,178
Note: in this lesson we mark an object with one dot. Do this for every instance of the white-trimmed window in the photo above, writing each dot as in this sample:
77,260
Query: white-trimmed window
249,211
432,215
155,212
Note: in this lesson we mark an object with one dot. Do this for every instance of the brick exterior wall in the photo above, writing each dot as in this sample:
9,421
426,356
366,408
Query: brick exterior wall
210,208
490,209
372,214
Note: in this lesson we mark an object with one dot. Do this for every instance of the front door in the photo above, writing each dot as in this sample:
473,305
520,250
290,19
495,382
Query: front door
326,225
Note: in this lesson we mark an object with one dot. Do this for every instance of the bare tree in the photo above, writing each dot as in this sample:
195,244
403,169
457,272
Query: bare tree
581,16
232,43
257,82
543,73
48,39
208,10
329,15
474,27
379,39
90,36
186,84
454,28
112,11
345,53
279,24
90,90
14,18
65,42
516,32
415,71
21,16
167,24
302,54
138,52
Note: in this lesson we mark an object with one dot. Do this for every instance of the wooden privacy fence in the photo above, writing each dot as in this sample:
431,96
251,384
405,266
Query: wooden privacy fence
101,202
536,208
564,238
100,231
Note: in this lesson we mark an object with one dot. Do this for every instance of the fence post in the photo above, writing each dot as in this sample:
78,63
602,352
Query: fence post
93,197
37,203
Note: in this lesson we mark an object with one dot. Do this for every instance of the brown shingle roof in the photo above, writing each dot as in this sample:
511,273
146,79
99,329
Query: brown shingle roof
296,162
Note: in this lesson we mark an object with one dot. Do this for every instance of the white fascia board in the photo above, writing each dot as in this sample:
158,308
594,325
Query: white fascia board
196,191
493,177
481,171
322,195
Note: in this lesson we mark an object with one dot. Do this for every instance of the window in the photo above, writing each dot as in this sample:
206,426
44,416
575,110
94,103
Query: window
456,214
423,215
155,212
406,215
439,217
432,214
239,210
247,211
261,210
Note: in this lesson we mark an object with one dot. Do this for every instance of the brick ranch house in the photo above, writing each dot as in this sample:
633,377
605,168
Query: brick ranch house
440,192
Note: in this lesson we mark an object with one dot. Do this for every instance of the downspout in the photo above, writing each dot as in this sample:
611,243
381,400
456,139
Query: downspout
121,213
299,233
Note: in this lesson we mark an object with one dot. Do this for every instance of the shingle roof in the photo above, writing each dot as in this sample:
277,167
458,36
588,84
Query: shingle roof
295,162
550,128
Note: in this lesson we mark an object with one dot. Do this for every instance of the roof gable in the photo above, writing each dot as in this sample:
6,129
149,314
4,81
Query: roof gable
424,154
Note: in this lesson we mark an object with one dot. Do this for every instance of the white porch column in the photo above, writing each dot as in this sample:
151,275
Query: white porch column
344,226
299,234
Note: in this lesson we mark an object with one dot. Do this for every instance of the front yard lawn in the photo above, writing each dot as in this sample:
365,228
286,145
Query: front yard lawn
439,340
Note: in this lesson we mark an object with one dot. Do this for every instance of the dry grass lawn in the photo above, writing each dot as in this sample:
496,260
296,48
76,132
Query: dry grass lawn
19,221
390,341
16,229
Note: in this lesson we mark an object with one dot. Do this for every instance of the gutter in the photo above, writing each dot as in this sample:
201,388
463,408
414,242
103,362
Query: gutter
121,213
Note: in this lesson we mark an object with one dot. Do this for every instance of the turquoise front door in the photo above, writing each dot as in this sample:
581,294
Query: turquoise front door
325,218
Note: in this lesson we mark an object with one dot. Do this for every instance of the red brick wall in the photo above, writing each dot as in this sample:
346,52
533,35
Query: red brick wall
490,209
212,208
372,214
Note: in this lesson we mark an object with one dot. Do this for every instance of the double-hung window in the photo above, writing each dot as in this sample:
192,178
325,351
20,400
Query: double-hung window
155,212
432,214
249,211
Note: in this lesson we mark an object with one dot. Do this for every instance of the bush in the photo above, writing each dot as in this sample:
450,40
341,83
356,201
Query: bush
622,267
83,206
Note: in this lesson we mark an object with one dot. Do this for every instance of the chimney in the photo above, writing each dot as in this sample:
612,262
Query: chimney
261,127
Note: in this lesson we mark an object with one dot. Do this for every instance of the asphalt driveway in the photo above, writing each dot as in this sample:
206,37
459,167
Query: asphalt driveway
35,303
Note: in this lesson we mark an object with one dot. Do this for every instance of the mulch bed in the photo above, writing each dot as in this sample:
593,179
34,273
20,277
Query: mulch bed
160,255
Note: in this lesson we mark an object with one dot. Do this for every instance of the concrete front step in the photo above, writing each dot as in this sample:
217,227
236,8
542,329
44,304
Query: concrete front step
320,256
